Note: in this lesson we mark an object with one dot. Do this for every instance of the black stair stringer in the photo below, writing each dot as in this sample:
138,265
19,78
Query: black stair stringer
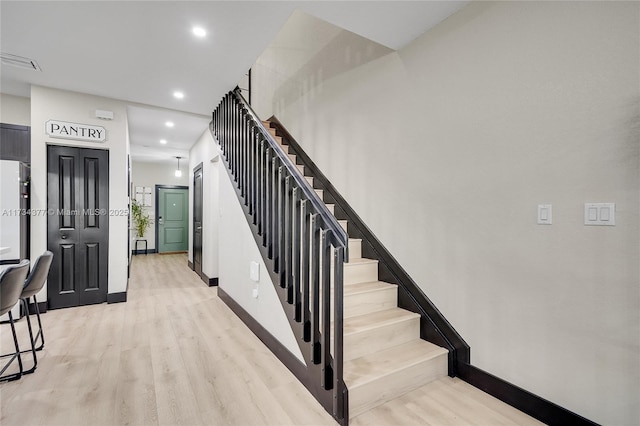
434,327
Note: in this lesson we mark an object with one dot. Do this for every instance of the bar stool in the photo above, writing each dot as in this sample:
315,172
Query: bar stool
11,285
32,286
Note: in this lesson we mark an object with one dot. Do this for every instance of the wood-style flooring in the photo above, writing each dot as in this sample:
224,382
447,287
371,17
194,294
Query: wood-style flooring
174,354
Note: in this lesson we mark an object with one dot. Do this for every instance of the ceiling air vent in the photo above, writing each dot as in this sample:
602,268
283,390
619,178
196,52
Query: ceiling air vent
19,61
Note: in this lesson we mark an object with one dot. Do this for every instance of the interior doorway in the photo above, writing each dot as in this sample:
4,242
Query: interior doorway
77,225
172,213
197,220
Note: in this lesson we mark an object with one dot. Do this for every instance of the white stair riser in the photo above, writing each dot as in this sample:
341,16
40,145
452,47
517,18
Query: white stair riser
386,388
367,302
373,301
355,249
360,272
379,338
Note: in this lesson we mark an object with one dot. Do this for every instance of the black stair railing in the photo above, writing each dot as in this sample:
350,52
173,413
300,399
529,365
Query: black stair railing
434,327
304,245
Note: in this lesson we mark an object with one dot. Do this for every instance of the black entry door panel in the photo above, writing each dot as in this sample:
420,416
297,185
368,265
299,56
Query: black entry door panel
197,220
77,225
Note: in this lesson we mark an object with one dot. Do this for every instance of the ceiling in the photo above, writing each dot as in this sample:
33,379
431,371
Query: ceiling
143,51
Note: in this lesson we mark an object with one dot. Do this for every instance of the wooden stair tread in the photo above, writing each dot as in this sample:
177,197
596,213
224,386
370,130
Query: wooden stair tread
368,287
377,319
365,369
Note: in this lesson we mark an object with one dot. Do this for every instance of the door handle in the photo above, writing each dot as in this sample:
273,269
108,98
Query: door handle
198,228
64,237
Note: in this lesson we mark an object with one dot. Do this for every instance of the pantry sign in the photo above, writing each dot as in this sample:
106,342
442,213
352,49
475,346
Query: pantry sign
80,132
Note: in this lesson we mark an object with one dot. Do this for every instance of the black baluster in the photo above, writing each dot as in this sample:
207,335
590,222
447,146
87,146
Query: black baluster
274,211
286,236
269,201
267,188
281,224
252,172
339,391
261,181
315,288
305,276
326,379
295,251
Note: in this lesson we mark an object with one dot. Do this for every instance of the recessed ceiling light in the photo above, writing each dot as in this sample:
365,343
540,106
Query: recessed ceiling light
199,32
169,124
163,141
178,95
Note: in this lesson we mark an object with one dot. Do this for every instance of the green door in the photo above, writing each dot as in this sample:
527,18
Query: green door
173,219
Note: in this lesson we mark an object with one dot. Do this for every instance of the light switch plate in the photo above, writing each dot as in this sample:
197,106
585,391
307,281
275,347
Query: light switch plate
545,214
254,271
600,214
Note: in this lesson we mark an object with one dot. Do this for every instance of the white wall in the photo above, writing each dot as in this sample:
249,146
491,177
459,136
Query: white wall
52,104
205,151
150,175
237,250
15,110
446,147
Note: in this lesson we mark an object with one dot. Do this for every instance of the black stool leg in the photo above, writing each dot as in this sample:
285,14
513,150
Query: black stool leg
15,376
40,333
31,339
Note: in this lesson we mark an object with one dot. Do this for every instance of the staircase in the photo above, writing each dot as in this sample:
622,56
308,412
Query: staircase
384,356
366,331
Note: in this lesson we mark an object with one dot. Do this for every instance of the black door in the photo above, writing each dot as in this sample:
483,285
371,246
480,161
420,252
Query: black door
77,225
197,220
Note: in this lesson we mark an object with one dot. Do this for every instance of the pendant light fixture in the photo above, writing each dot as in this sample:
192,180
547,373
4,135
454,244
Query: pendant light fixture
178,171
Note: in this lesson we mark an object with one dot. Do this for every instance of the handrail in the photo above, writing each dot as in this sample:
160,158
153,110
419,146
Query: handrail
326,215
302,243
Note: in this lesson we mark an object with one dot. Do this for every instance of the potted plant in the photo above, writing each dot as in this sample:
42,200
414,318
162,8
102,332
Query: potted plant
141,220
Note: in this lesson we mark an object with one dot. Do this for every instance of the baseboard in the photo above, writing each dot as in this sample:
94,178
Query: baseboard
150,251
279,350
533,405
117,297
190,265
211,282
